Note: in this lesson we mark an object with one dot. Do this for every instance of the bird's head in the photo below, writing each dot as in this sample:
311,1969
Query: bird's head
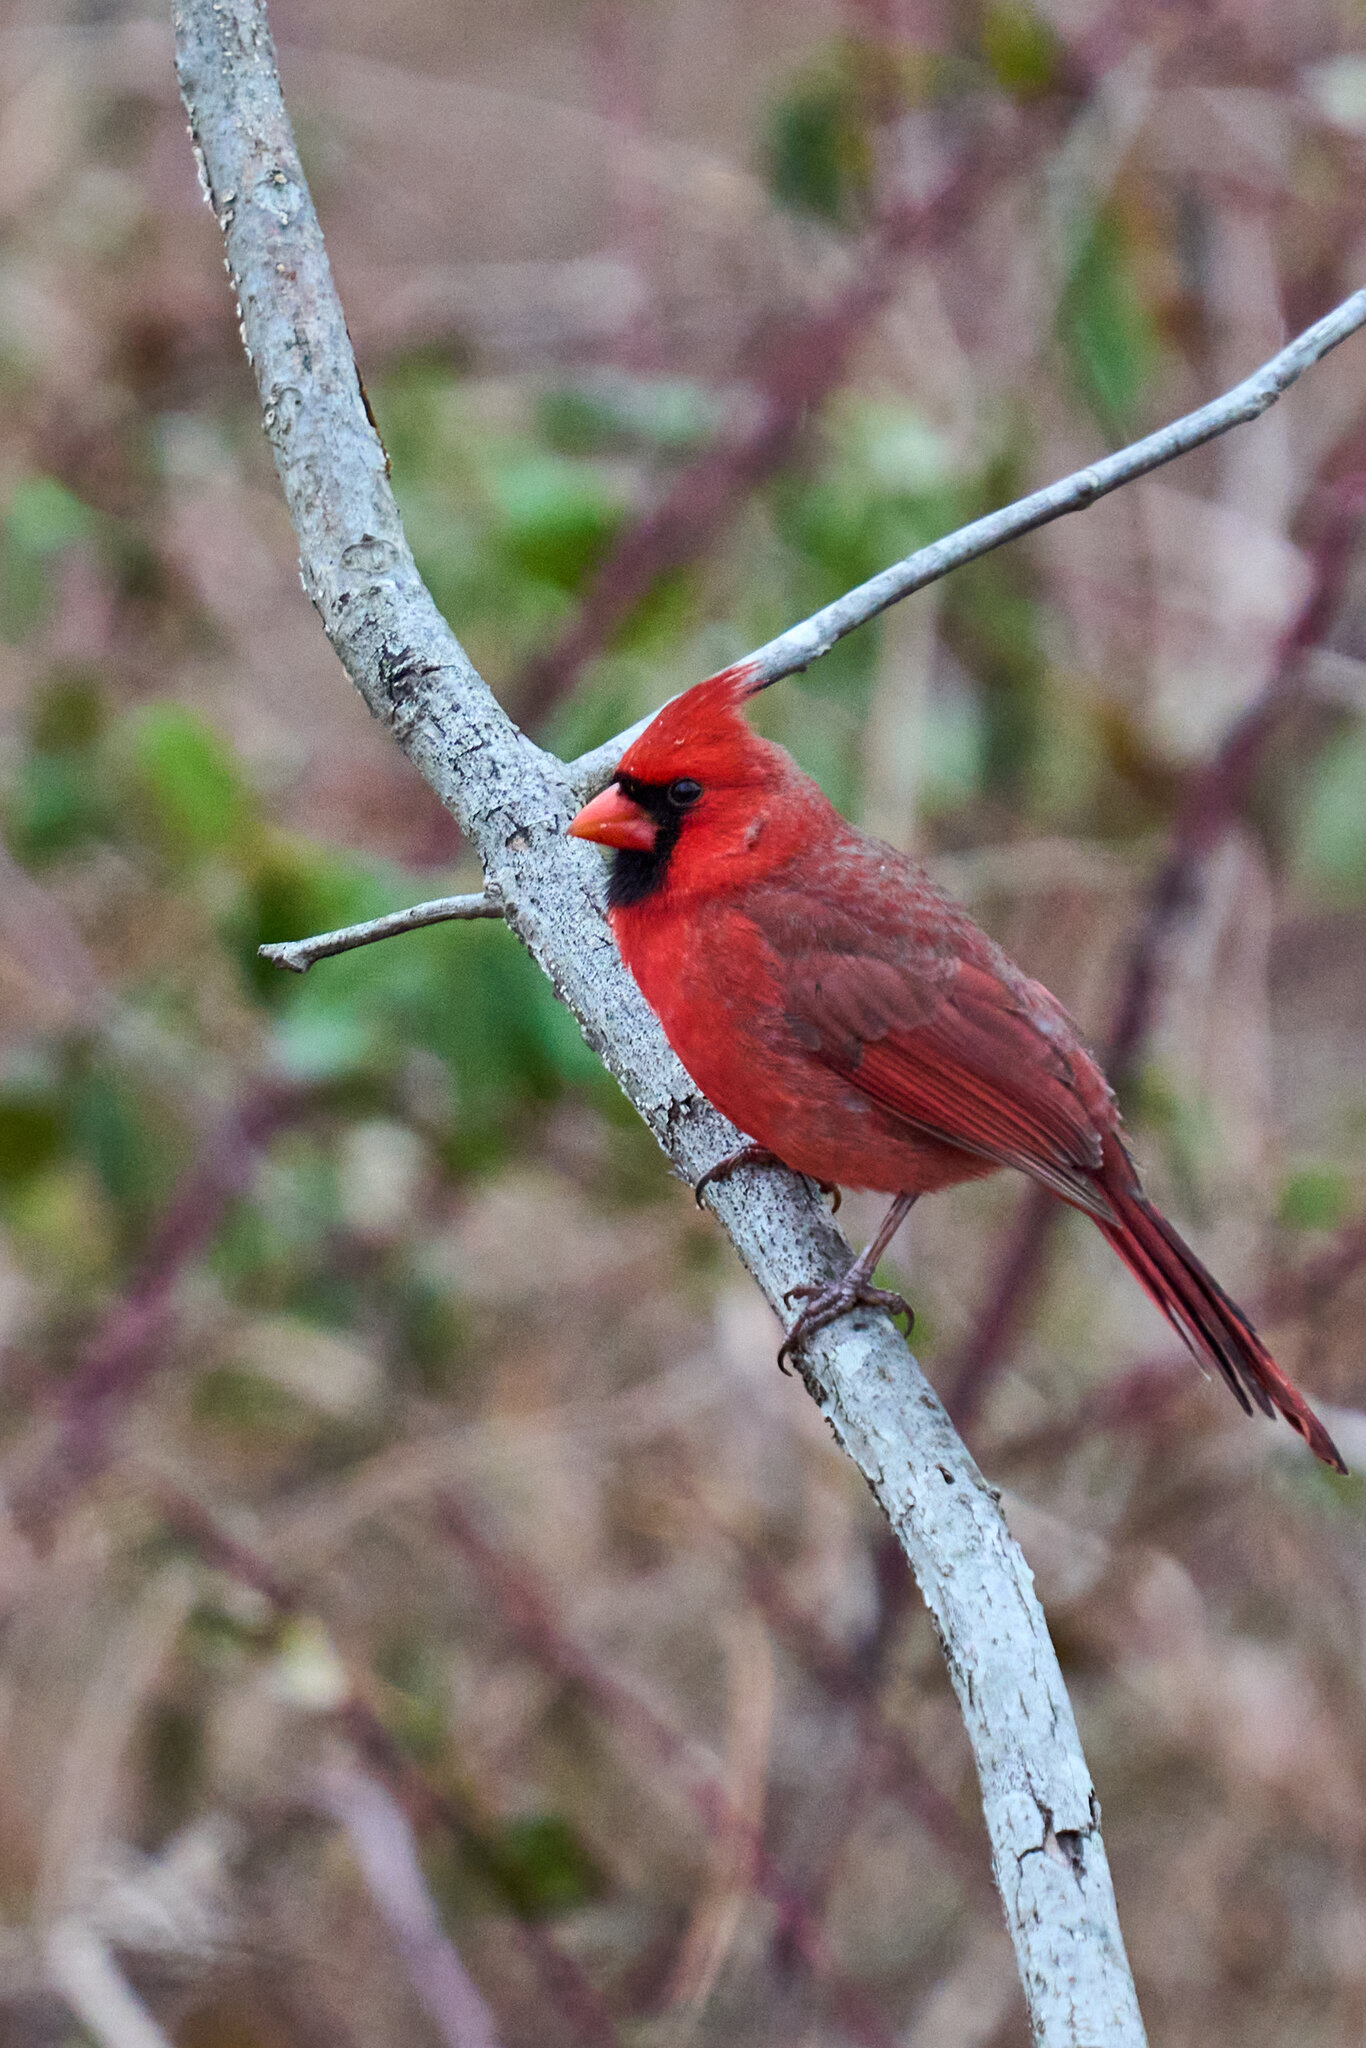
696,779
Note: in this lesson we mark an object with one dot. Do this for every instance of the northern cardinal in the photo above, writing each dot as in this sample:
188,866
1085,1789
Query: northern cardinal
859,1027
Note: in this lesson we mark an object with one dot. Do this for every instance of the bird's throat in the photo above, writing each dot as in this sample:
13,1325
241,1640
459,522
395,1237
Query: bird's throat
637,874
635,877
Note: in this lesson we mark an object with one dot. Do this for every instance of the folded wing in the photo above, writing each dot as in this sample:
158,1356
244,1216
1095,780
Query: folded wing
934,1024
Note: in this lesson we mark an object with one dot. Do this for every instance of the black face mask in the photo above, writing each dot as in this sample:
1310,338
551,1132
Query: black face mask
636,874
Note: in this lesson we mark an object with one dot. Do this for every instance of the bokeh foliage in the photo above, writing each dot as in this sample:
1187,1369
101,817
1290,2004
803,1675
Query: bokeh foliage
410,1241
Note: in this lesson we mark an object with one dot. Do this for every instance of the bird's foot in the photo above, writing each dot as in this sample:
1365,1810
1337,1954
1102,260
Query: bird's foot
744,1155
835,1298
753,1155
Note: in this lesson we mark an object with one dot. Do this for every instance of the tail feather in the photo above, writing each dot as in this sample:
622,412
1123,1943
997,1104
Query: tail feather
1212,1326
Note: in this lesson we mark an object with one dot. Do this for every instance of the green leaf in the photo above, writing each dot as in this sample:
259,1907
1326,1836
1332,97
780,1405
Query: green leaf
543,1865
276,1251
432,1337
58,797
819,154
1019,49
62,1226
611,411
32,1132
1331,849
66,715
991,621
246,1404
556,517
113,1130
1315,1198
884,487
54,805
182,776
41,519
1108,334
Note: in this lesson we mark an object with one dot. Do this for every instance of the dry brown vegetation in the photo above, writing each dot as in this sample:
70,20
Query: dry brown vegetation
376,1412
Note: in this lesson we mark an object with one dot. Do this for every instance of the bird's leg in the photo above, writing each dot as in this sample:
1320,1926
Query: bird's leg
824,1303
753,1155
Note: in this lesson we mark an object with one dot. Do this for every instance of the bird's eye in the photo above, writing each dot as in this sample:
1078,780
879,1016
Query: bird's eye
684,793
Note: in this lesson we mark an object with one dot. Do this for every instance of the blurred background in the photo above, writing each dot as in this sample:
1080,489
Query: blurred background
411,1562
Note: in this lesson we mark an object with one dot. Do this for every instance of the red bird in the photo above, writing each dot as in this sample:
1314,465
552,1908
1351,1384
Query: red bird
860,1028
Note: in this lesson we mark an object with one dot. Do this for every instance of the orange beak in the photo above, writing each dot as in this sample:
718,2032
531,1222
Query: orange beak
613,820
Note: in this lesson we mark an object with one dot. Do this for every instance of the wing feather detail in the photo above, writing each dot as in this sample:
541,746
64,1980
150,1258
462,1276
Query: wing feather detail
950,1037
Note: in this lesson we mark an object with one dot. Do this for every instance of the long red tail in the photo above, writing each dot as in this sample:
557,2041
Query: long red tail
1215,1328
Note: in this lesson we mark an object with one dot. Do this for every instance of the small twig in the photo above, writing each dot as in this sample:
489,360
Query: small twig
382,1840
298,955
804,643
83,1968
187,1518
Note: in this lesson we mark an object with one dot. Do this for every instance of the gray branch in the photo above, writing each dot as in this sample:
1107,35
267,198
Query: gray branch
802,644
514,802
805,642
298,955
82,1966
383,1844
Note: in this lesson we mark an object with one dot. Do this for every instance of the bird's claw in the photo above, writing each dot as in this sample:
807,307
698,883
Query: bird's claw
827,1302
752,1155
747,1155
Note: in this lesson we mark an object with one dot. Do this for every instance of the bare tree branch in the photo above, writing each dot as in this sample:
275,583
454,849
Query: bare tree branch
514,802
83,1968
378,1830
800,645
298,955
804,643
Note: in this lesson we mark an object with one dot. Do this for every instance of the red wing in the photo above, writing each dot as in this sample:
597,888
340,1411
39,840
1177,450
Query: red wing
967,1050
